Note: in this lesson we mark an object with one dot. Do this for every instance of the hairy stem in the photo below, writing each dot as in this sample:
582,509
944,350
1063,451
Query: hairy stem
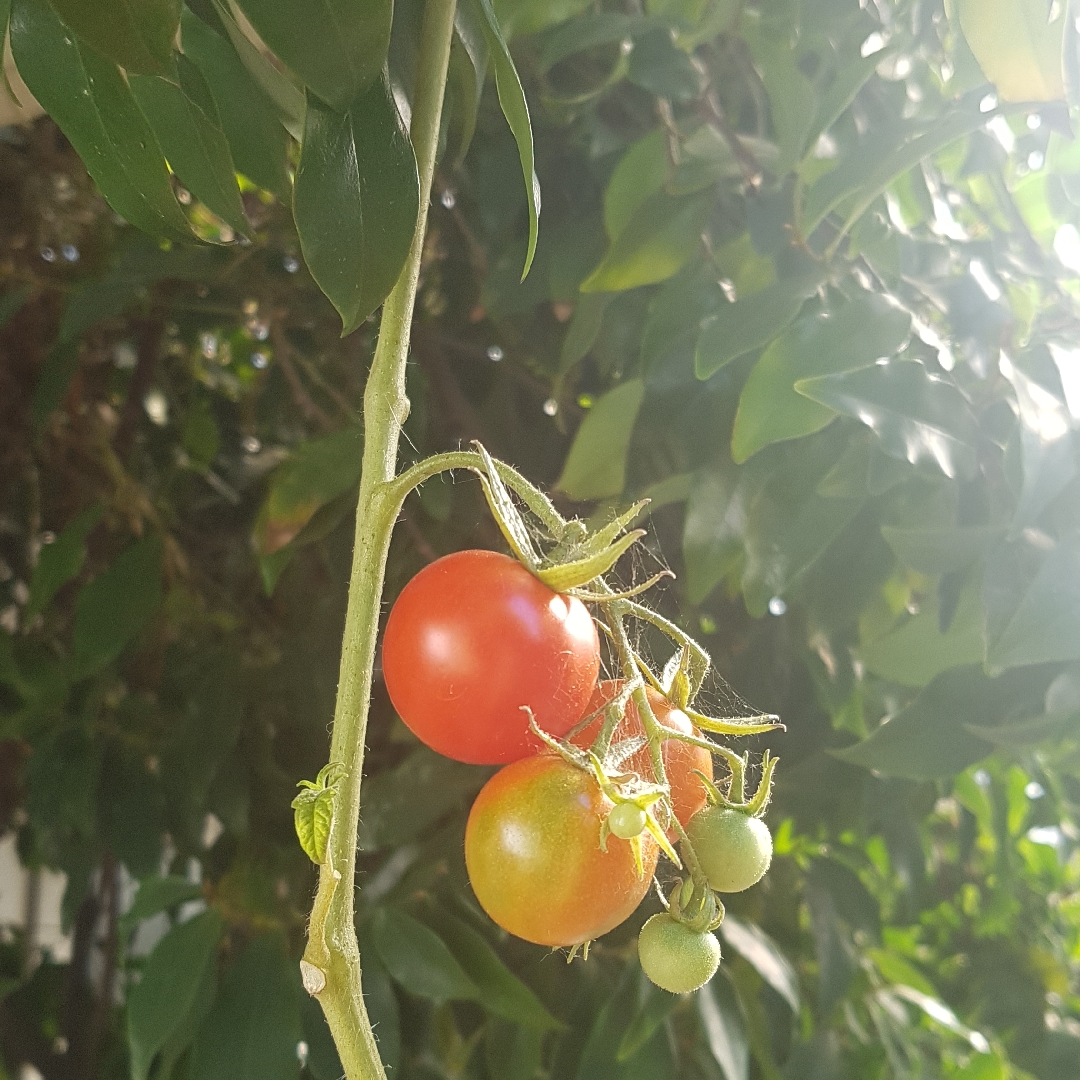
331,966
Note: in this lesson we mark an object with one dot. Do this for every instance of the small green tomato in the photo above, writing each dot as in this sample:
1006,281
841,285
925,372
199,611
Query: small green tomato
734,849
626,821
675,957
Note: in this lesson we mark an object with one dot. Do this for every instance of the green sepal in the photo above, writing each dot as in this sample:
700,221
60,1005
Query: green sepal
572,575
506,514
752,725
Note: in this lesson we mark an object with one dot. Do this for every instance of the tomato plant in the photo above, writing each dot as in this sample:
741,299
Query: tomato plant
734,848
473,638
534,859
675,956
688,794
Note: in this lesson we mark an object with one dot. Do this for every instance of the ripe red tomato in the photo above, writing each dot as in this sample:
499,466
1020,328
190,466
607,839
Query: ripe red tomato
472,638
532,847
680,759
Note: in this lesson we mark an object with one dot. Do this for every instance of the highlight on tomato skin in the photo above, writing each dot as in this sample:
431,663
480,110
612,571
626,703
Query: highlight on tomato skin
472,638
534,859
688,794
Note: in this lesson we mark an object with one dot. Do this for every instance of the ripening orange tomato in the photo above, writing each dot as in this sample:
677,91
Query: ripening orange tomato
532,848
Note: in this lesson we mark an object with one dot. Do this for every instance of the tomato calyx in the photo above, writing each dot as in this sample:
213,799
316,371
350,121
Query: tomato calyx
735,798
695,905
578,557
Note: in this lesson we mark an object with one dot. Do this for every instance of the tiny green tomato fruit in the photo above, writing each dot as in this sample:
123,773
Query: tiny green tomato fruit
626,821
675,957
734,849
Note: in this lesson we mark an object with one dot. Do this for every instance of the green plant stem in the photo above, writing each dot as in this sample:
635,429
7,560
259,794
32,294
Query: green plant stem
614,613
331,966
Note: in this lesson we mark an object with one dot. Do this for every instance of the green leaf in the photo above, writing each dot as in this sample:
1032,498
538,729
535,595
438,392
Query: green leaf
279,87
253,1028
589,31
713,532
336,48
897,970
595,468
185,120
662,235
469,58
792,98
314,811
88,98
789,526
418,959
725,1028
513,1052
599,1058
1047,443
764,955
917,652
158,894
177,983
1032,617
867,172
984,1067
654,1006
392,815
642,171
383,1011
60,561
583,330
933,737
941,551
116,605
750,323
256,138
1017,46
841,92
501,992
137,34
919,417
516,110
770,410
314,474
356,201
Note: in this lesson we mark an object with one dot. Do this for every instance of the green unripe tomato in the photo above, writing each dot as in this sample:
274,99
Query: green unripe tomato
734,849
675,957
626,821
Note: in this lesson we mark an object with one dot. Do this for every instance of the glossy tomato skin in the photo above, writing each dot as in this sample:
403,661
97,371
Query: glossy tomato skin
472,638
680,759
532,848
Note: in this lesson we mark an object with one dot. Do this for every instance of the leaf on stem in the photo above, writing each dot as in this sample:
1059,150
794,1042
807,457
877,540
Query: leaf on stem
516,110
356,201
136,34
337,48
